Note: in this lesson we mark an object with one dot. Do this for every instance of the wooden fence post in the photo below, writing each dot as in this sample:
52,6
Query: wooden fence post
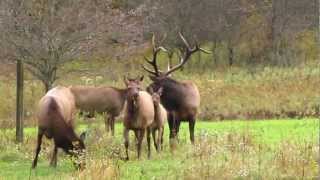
19,103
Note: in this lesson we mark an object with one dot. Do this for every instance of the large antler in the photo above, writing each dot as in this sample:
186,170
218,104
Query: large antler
184,57
153,61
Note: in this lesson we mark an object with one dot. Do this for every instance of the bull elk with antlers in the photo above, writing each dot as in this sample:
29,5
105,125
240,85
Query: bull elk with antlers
180,99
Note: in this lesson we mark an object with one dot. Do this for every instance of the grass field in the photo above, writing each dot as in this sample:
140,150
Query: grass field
270,149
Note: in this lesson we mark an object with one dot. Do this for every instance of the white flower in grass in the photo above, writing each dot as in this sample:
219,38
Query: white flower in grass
243,172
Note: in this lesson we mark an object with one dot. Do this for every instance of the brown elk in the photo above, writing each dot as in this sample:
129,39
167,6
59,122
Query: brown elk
56,120
159,119
139,114
106,100
181,99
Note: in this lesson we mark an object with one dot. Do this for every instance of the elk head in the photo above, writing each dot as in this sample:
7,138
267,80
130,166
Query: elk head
156,95
157,76
78,153
133,87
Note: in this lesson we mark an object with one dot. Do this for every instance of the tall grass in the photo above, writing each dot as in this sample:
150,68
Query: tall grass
232,93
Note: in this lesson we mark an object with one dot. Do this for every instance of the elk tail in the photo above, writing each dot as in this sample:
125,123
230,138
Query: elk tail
53,105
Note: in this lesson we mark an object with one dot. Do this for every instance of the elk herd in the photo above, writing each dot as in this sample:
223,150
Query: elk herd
145,111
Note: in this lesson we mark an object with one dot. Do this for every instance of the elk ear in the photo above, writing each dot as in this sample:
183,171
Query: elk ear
160,90
150,90
141,78
153,78
125,80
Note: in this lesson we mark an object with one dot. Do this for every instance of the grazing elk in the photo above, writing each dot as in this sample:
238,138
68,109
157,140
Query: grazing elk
139,114
160,119
108,100
56,120
181,99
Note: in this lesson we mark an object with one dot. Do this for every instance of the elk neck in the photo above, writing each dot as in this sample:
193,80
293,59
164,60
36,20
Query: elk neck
132,107
157,110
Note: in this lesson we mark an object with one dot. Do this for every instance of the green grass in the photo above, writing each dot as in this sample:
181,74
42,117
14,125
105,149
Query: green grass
226,148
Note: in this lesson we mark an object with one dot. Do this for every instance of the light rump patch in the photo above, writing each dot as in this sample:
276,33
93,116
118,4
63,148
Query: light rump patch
56,120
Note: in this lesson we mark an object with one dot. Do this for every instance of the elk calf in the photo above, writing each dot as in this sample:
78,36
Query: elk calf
56,120
159,119
139,114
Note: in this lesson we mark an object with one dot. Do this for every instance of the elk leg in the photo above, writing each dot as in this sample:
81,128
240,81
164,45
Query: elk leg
53,162
154,138
141,136
136,133
126,141
171,126
39,141
107,122
177,128
148,140
191,129
112,120
160,130
91,114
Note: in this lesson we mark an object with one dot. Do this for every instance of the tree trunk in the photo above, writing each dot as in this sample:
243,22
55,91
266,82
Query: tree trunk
317,25
274,55
231,54
47,85
214,53
19,103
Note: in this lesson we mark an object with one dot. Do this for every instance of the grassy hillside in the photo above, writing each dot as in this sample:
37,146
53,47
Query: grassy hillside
232,149
226,93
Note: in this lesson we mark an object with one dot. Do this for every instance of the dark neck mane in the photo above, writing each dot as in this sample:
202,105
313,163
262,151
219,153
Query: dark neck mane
171,85
172,96
170,81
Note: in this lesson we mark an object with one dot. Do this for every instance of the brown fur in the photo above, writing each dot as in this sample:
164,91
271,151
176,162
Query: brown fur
108,100
181,100
56,120
139,114
159,120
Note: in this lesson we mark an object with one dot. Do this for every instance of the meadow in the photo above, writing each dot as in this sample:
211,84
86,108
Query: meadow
226,93
256,123
260,149
259,87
